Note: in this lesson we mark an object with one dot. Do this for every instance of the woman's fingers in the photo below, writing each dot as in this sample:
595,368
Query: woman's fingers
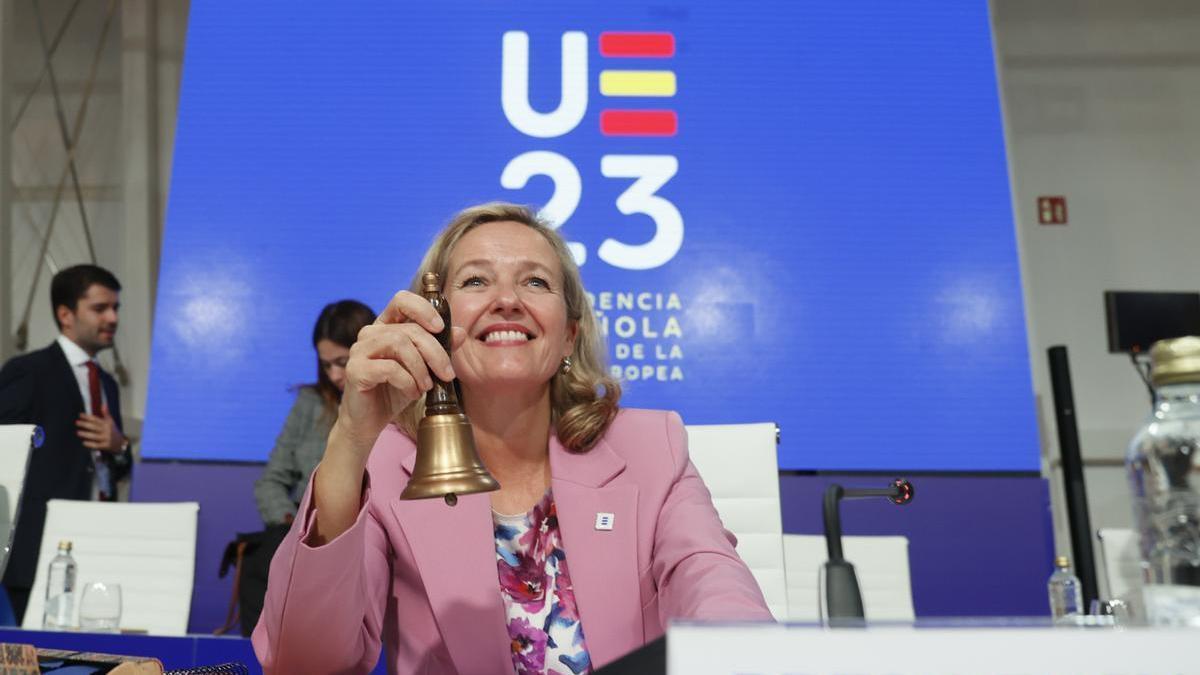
434,354
401,350
389,344
376,372
407,344
406,350
408,306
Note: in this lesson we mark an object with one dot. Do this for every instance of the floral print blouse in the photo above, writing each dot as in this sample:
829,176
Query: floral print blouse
543,621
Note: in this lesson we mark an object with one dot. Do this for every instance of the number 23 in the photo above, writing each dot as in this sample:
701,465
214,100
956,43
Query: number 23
650,172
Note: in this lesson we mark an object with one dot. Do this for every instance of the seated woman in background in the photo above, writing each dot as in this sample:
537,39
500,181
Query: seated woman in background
301,443
601,531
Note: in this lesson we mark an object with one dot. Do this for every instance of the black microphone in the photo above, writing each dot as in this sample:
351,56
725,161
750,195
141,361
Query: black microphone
843,599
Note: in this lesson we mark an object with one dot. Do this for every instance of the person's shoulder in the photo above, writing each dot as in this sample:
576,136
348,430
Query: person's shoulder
20,363
307,396
648,440
308,403
34,360
641,422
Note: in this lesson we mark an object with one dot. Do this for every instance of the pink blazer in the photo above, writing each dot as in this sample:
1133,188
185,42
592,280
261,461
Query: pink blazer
420,576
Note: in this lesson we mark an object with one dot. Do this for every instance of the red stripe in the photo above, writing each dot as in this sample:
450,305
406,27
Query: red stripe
646,45
638,122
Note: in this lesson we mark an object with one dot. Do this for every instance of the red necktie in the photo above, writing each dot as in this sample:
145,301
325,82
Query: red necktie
94,387
97,410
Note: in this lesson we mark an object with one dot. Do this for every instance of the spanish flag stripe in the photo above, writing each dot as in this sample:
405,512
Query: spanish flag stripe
637,45
639,122
637,83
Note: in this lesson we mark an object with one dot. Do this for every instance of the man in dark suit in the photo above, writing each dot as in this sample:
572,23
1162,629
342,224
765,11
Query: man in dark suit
77,404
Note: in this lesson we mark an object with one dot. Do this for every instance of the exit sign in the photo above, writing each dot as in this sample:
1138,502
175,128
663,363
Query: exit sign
1052,210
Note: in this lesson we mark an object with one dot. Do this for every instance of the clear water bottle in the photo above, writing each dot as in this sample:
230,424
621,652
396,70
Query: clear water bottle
1066,594
1162,464
60,590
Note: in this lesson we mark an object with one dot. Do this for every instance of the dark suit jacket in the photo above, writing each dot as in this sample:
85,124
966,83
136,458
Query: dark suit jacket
40,388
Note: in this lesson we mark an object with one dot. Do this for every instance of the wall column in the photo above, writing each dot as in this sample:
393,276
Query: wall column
143,212
7,283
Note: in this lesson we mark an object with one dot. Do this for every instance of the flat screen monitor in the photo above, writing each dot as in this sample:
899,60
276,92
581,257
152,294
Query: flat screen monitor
1138,319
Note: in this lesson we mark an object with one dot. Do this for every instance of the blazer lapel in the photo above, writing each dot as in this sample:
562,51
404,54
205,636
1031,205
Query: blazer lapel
602,562
455,551
66,378
112,396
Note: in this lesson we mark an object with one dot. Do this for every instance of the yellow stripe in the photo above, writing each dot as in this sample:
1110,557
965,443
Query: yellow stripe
637,82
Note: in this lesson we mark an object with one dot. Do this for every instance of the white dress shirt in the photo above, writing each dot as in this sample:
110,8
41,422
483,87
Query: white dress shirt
79,360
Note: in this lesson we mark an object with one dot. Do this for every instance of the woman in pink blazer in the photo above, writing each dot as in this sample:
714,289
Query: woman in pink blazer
602,529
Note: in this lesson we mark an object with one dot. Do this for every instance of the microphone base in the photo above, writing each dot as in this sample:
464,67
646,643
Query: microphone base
843,599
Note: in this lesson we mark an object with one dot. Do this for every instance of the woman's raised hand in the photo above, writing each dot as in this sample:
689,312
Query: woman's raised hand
389,368
390,365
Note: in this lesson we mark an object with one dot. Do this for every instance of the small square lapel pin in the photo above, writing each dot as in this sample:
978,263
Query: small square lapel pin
604,521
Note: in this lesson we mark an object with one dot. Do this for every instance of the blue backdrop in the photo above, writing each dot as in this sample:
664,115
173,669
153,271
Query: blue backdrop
795,212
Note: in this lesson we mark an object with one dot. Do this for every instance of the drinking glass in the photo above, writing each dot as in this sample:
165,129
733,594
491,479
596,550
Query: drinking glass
100,608
1113,612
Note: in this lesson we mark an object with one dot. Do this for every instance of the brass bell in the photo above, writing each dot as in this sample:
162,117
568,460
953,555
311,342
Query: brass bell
447,463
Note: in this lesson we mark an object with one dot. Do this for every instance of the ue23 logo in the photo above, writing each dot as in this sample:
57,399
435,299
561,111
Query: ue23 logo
650,172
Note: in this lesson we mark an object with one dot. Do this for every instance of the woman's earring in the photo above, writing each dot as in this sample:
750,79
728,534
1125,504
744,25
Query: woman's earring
566,365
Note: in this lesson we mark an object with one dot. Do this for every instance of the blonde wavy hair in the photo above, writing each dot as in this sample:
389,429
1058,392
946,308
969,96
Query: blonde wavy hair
583,401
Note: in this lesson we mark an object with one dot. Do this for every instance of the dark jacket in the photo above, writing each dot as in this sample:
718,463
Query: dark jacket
40,388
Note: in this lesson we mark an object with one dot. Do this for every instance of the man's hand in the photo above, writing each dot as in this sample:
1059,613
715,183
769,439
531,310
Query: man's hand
100,432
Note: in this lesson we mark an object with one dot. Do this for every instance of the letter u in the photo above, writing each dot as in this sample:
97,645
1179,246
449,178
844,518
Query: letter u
514,86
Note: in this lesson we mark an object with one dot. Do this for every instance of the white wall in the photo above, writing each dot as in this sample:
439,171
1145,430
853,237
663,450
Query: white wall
1102,105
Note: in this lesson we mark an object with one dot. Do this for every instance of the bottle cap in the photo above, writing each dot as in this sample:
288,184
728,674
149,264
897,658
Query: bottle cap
430,283
65,543
1062,561
1175,361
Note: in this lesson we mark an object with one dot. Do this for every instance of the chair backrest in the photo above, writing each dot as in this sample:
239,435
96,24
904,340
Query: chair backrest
880,563
16,442
1120,561
739,464
149,549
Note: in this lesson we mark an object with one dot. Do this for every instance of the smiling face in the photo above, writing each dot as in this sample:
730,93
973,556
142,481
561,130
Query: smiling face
504,286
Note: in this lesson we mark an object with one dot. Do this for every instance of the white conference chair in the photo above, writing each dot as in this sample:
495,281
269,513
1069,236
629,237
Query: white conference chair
17,441
1120,562
739,464
880,563
149,549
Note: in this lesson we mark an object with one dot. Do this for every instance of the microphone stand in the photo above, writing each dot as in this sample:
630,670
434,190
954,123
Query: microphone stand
843,599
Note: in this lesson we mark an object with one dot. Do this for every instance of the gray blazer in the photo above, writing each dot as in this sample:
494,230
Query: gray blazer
296,453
